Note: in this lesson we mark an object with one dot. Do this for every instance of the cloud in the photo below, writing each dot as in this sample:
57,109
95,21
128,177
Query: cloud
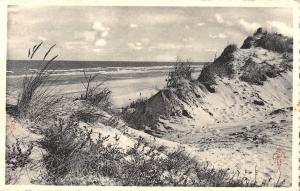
104,33
250,27
280,27
220,35
100,42
219,18
132,25
100,28
135,45
200,24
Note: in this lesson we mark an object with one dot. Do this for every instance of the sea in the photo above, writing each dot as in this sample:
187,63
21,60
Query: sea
19,67
126,79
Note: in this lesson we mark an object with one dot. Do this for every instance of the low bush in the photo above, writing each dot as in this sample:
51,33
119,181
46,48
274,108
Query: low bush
181,71
276,42
269,40
137,116
254,73
96,94
140,102
16,156
62,142
139,119
74,158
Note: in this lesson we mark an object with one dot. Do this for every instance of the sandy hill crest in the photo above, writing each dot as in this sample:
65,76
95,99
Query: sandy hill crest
240,84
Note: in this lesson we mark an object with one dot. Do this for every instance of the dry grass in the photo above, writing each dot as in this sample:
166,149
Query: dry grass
35,99
181,71
95,94
270,41
276,42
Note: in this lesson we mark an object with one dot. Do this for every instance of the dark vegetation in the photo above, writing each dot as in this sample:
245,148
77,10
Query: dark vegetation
144,113
95,94
257,73
269,40
181,71
77,159
251,72
35,99
17,156
221,67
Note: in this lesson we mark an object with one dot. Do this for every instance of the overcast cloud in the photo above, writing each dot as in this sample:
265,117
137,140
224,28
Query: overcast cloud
138,33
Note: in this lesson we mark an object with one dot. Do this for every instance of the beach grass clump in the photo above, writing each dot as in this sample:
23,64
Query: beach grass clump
276,42
95,93
273,41
140,102
35,97
269,40
182,70
62,142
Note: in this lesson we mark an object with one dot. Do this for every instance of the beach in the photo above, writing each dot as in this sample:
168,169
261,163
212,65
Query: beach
125,83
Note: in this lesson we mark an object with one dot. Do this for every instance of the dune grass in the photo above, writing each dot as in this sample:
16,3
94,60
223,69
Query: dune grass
181,70
35,98
95,94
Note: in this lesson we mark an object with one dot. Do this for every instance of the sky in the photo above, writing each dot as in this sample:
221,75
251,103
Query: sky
137,33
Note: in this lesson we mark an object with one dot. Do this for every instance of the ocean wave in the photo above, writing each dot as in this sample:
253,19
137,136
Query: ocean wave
104,71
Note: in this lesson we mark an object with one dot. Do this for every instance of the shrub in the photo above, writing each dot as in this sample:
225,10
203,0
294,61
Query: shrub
87,114
74,158
16,156
138,116
254,73
181,70
276,42
269,40
96,94
140,102
35,99
62,142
